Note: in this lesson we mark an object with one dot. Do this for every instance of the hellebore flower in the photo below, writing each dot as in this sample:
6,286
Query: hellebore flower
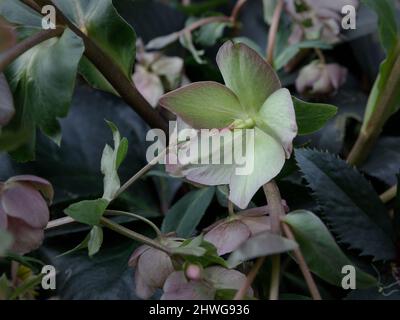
152,268
156,74
316,19
178,287
320,79
23,210
228,234
252,98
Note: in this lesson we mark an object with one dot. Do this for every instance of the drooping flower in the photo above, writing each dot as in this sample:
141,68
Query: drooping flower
178,287
320,79
156,74
316,19
152,268
228,234
252,98
24,211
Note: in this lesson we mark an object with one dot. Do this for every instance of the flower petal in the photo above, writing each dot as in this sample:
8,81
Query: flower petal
204,105
278,119
3,218
228,236
136,255
21,201
177,287
26,238
143,290
38,183
148,84
226,279
247,74
268,160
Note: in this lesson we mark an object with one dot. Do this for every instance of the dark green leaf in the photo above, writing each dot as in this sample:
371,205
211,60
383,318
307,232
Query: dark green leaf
53,65
87,211
388,27
311,117
99,20
95,240
261,245
186,214
350,205
322,254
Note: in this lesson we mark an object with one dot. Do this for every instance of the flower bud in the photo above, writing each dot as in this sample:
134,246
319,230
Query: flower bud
320,79
24,211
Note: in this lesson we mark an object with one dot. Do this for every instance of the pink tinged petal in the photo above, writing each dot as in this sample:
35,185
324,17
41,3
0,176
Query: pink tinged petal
156,266
268,160
204,105
136,255
38,183
337,75
226,279
143,290
323,85
3,218
278,119
257,225
7,109
296,35
247,74
24,202
148,84
169,67
26,238
228,236
308,76
177,287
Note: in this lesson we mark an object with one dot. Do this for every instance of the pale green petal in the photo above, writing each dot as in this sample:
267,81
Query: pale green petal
247,74
269,158
204,105
278,119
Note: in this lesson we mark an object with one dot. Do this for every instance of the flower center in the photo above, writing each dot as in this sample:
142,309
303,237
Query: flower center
248,123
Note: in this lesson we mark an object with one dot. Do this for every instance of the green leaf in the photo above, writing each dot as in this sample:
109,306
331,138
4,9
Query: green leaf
186,41
110,162
186,214
291,51
209,34
269,8
388,27
349,204
87,211
311,117
18,13
53,65
322,254
95,240
5,242
261,245
99,20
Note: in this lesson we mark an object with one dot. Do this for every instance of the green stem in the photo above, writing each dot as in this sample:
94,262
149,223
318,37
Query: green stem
275,277
140,173
133,235
136,216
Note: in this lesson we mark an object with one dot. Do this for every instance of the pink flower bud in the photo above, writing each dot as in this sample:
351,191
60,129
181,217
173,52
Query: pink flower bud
193,272
23,210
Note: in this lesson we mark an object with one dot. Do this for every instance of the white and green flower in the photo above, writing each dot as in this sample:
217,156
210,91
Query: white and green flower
252,98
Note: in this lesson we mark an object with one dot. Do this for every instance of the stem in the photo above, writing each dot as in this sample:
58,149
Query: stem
236,10
136,216
230,209
13,53
273,31
275,278
117,78
303,265
59,222
140,173
320,55
379,109
389,195
133,235
249,279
